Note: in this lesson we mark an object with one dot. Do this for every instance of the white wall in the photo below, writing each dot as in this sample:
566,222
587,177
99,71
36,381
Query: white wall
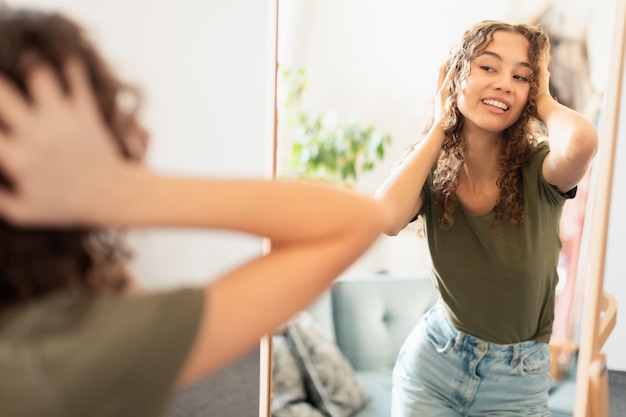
205,68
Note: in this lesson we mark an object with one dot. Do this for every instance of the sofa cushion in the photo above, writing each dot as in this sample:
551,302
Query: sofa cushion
378,385
328,375
372,317
322,312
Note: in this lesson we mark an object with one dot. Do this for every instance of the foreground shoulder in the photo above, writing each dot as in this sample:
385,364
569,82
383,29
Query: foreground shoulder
133,344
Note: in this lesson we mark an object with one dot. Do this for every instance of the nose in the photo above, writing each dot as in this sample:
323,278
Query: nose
504,83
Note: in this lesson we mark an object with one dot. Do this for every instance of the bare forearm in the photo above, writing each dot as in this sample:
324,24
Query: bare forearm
400,193
567,128
262,295
279,210
321,231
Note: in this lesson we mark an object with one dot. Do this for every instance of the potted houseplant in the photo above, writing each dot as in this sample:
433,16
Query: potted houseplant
324,147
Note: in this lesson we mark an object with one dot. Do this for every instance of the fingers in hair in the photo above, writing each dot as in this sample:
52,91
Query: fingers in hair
13,107
81,88
45,86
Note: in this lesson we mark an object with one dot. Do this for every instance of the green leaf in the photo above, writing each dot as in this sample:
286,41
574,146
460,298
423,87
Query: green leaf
325,147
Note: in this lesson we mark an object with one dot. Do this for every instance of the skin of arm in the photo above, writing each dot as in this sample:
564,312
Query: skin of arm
573,143
573,139
400,192
318,230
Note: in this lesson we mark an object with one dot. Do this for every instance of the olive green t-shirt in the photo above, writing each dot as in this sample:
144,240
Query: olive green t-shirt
78,356
500,287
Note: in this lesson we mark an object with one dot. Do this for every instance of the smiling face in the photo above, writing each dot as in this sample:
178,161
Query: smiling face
495,92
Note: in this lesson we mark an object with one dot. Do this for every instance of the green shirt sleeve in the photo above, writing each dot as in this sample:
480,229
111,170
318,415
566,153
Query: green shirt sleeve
97,356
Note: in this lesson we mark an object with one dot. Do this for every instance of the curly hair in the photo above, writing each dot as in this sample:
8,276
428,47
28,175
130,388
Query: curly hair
36,262
518,139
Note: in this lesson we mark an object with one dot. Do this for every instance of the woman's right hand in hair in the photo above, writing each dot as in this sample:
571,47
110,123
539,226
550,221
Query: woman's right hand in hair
443,92
400,194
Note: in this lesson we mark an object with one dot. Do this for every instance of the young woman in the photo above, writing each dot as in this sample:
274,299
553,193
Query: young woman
489,196
72,341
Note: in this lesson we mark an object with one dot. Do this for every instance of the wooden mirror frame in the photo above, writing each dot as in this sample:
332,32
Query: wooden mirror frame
600,309
265,347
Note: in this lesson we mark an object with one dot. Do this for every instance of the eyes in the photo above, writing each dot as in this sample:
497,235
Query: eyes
519,77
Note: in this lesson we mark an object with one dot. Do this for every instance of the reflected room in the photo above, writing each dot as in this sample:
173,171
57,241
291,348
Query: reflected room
355,88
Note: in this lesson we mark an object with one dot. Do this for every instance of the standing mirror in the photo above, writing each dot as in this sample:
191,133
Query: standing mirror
362,76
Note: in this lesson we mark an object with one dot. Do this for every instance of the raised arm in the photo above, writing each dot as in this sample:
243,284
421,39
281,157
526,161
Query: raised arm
400,193
65,171
316,232
573,139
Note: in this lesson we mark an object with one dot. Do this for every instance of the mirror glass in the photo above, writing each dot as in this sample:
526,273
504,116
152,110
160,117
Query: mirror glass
363,75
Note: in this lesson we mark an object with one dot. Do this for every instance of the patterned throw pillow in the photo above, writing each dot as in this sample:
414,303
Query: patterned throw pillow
329,377
298,409
289,396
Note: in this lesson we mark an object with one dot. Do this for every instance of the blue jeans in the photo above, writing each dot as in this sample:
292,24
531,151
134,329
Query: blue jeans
441,371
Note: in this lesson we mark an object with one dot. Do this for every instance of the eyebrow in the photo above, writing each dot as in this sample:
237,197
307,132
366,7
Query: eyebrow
497,56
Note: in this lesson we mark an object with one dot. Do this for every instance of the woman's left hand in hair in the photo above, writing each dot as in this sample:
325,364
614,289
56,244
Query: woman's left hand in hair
446,72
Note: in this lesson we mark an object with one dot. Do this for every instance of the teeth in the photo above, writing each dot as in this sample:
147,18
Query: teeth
497,104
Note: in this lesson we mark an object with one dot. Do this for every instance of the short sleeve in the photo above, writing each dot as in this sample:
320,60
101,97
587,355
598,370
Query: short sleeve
108,355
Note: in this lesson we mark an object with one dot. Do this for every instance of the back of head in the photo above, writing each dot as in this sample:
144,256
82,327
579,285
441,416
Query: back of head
35,262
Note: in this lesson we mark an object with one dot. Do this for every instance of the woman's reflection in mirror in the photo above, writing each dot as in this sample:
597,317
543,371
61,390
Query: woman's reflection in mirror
489,193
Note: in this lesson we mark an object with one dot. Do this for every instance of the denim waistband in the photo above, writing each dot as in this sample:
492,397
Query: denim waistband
467,341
